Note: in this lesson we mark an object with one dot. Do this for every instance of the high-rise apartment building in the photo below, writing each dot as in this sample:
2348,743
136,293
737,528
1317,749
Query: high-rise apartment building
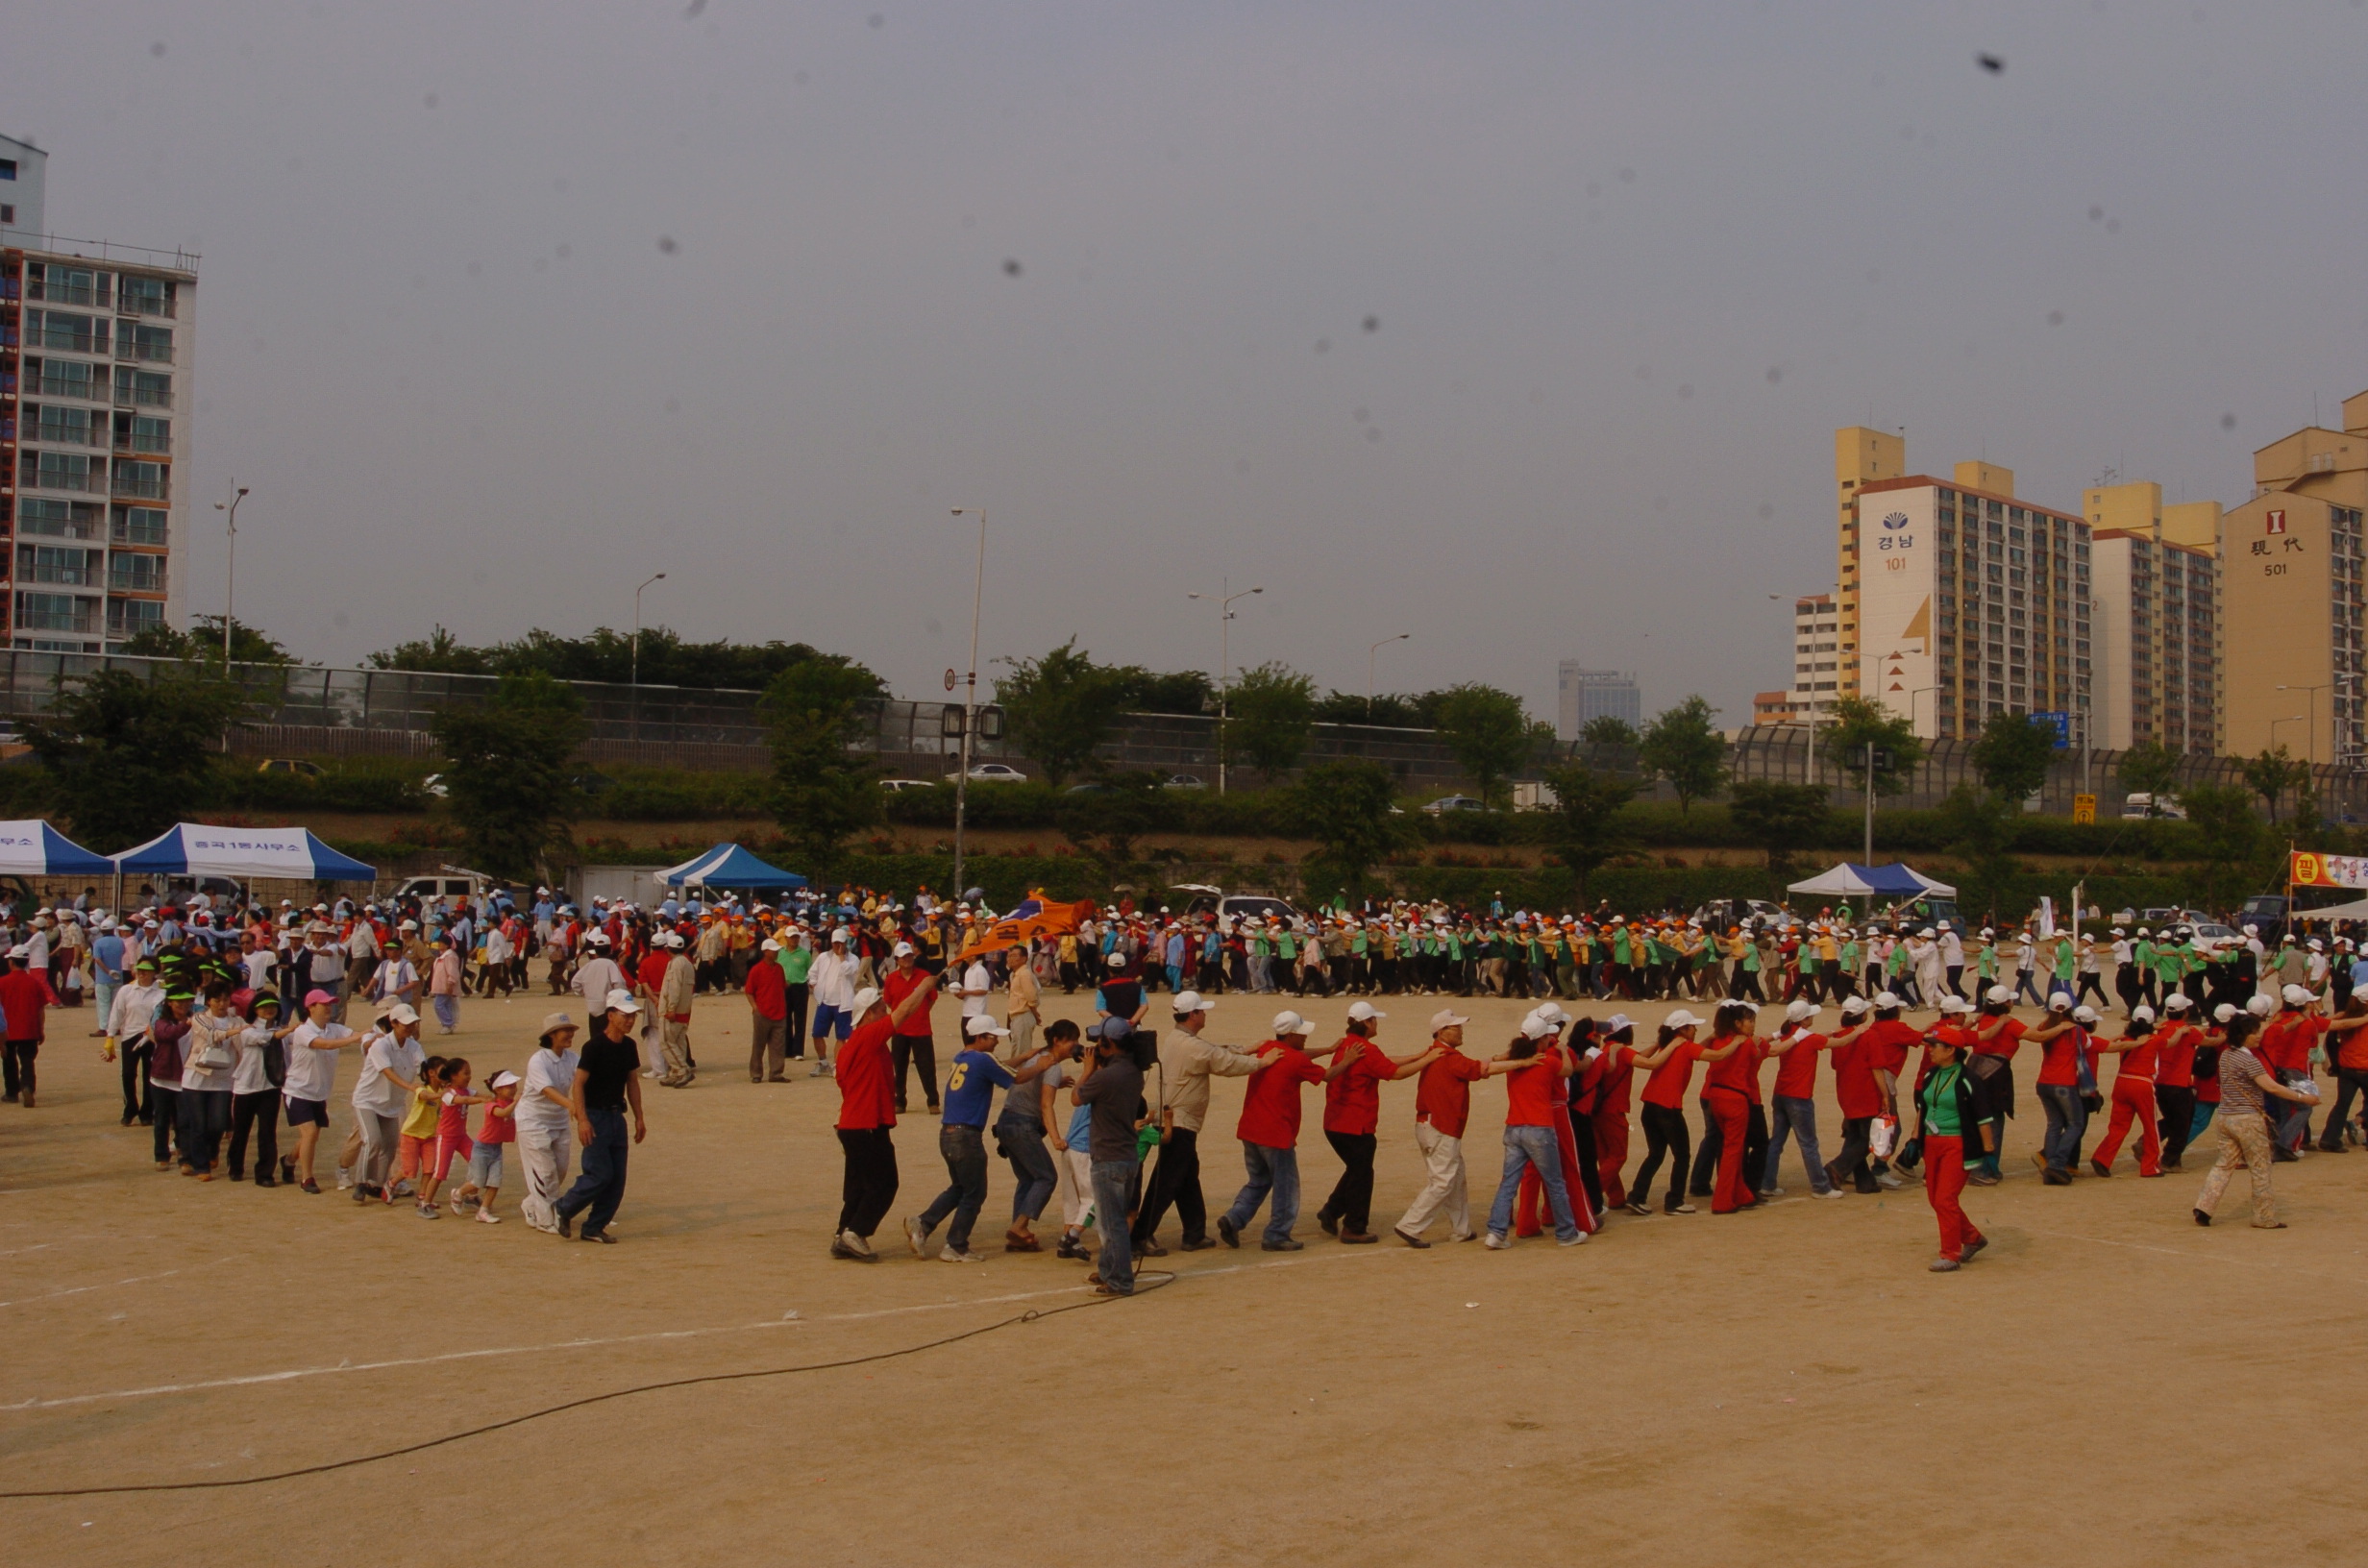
95,344
2156,621
1817,664
1861,456
2291,597
1595,694
1965,600
24,173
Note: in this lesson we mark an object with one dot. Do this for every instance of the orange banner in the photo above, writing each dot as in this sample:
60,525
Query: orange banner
2310,870
1034,918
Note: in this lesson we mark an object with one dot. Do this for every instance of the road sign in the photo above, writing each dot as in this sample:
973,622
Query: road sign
2083,808
950,677
2060,723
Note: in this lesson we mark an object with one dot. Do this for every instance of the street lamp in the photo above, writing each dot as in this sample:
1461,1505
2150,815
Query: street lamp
970,701
2311,745
1224,670
230,588
1369,670
659,578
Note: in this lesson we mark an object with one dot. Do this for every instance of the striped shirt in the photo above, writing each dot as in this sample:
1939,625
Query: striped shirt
2239,1094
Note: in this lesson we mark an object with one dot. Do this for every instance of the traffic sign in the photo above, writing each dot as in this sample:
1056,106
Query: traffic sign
950,677
2083,808
2060,723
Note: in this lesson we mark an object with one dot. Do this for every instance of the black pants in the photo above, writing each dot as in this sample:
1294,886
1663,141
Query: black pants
871,1184
1591,1164
2349,1081
1705,1154
1850,1165
260,1113
165,1112
18,1071
1175,1180
2174,1104
1664,1134
133,1061
908,1049
2091,985
1351,1202
1755,1145
797,1022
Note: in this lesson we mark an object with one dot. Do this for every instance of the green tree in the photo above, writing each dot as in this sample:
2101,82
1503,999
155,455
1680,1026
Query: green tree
1683,747
1780,819
1604,729
1345,807
126,758
1858,723
2233,843
438,653
1151,691
1488,734
2272,774
203,642
1059,708
2012,752
1271,712
1980,826
607,656
1584,823
1105,821
2151,769
823,792
508,771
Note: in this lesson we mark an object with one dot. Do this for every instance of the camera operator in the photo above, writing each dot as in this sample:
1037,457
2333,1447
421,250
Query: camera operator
1113,1085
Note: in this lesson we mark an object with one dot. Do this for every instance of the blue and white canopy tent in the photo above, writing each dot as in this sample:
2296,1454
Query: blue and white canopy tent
34,849
729,866
1851,880
241,854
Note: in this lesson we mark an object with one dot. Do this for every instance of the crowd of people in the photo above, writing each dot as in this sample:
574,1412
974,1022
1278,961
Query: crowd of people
227,1019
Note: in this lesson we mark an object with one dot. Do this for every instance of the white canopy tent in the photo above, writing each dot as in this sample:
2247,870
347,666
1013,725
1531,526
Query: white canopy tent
1850,880
2357,910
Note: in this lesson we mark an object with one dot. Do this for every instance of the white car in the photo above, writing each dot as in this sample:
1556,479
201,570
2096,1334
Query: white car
897,786
1454,803
434,784
1184,781
990,772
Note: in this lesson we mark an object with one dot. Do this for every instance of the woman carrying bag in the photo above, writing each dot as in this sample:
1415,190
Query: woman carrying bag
1947,1115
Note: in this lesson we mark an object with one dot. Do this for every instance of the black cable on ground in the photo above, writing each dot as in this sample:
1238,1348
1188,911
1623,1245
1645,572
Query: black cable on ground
1145,1283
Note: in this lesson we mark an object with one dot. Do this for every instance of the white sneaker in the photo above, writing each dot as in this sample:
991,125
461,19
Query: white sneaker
345,1179
1578,1241
1771,1191
486,1217
917,1237
1497,1244
950,1256
855,1243
1888,1180
1831,1193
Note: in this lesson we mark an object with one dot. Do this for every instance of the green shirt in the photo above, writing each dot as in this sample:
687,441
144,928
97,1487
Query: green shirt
1938,1097
1987,963
796,962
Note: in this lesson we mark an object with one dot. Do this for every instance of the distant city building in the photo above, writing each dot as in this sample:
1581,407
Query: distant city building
1817,658
1778,708
94,428
1958,600
2155,619
1588,695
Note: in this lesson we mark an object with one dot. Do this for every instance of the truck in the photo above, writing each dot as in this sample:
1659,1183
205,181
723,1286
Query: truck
1534,795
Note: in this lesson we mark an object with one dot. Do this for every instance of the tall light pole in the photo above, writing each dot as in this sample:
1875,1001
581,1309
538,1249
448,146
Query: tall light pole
1224,668
230,589
970,701
1369,670
2311,747
659,578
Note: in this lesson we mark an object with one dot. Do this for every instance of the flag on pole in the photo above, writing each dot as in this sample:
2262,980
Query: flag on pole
1035,916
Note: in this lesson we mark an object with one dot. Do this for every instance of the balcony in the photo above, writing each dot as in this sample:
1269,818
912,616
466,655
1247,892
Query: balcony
146,305
62,479
88,389
122,581
71,342
143,441
63,293
160,354
71,577
139,487
142,397
67,435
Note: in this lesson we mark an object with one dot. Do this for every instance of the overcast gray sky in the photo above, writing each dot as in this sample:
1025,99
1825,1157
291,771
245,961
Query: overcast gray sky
1520,327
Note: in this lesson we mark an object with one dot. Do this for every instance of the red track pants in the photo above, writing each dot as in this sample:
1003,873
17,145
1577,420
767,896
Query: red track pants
2133,1100
1944,1179
1612,1153
1531,1209
1734,1113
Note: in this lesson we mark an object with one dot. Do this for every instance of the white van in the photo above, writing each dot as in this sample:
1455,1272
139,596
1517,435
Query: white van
2135,808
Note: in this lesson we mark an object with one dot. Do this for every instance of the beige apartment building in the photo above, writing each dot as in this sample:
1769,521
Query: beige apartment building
2155,619
1958,599
2291,597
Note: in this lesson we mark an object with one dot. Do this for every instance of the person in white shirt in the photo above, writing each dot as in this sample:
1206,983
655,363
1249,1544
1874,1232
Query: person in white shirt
395,980
390,1075
254,1100
127,1022
311,1074
976,986
832,980
546,1122
598,974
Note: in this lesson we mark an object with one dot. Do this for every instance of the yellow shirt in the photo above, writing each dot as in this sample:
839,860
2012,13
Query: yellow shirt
421,1121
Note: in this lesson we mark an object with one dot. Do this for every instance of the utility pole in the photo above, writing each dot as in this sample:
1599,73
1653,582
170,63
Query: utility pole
970,703
1870,805
230,590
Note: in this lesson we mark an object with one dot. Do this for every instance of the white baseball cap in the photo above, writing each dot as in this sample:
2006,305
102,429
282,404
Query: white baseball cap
980,1024
2176,1002
1886,1000
621,1000
2257,1005
1852,1006
903,949
2295,995
1191,1001
1535,1027
2083,1016
1365,1012
401,1013
1999,993
1447,1018
1799,1008
1955,1004
1680,1020
1288,1022
864,1000
2223,1013
2141,1011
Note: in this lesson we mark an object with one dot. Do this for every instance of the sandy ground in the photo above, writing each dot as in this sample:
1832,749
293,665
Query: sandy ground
2108,1385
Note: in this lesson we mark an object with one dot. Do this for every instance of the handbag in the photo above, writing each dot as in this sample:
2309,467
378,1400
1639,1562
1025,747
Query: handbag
275,1063
213,1056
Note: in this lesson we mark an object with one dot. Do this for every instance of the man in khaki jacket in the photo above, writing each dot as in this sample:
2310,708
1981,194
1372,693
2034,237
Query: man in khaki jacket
673,1012
1186,1063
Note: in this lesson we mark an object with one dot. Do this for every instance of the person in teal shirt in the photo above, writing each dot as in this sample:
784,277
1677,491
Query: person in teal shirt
1945,1113
797,961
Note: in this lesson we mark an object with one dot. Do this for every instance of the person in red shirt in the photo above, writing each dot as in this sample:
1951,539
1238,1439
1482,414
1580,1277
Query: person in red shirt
1794,1109
2175,1076
1269,1135
2133,1097
1352,1114
1613,1087
913,1041
2286,1050
2064,1042
1726,1109
1443,1108
1529,1135
768,993
1988,1060
1529,1202
26,997
867,1111
2347,1046
1860,1093
1668,1068
1887,1040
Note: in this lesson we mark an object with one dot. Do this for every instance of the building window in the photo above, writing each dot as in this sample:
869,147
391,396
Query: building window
58,519
146,480
135,573
54,612
130,617
140,525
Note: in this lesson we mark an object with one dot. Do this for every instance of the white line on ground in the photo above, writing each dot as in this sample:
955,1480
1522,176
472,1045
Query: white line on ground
294,1374
110,1285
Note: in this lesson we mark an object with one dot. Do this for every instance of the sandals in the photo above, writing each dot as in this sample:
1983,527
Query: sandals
1014,1241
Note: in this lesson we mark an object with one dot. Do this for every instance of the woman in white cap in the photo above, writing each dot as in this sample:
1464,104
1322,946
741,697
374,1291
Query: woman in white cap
2175,1076
2063,1041
1668,1068
2133,1097
1794,1108
546,1121
1352,1118
2346,1054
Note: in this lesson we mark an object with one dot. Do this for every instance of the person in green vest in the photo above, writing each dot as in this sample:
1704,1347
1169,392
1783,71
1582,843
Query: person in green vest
797,961
2067,958
2142,954
1947,1117
1986,961
1359,960
1623,959
1287,950
2174,962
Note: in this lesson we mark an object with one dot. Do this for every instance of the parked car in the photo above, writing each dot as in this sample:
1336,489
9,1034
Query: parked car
2141,805
897,786
990,772
1534,795
432,890
1721,912
1447,803
1239,906
1183,781
291,765
434,784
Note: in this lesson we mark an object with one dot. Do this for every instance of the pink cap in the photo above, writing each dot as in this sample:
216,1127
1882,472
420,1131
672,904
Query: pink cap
314,998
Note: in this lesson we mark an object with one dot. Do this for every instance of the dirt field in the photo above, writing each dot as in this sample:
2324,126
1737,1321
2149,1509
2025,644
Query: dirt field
2107,1385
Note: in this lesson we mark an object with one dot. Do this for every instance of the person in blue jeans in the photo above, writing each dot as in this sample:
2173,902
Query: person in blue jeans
1794,1106
608,1080
1113,1089
971,1083
1269,1135
1530,1139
